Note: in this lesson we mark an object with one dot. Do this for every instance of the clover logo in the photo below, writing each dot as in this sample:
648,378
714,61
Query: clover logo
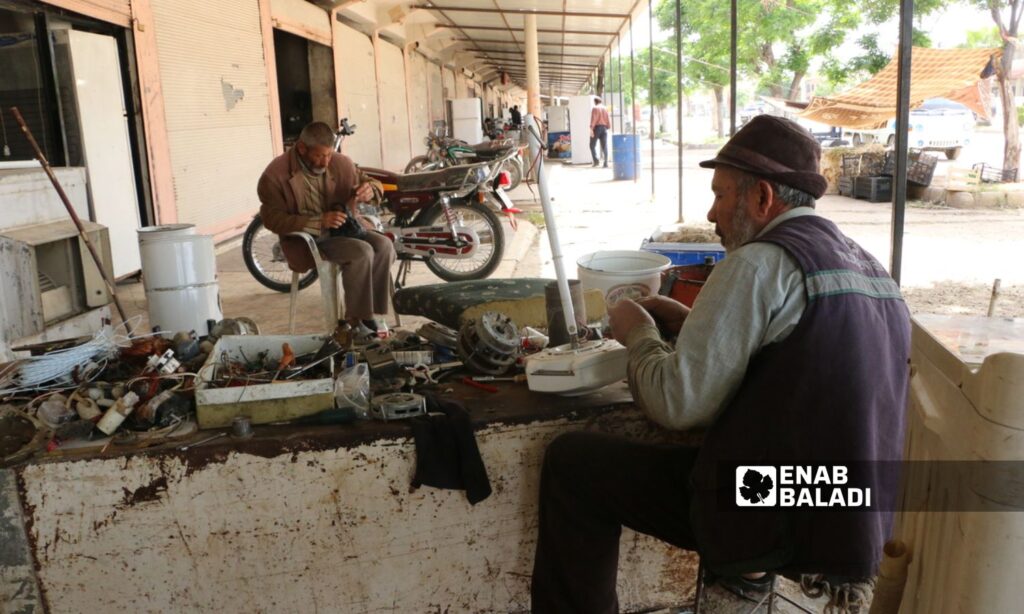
756,486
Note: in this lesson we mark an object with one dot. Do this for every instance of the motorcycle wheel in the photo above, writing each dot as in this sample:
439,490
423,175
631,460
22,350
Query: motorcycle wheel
420,164
262,253
515,171
488,255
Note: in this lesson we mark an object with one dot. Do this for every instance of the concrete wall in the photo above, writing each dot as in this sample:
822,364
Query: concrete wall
332,530
436,92
419,101
394,113
358,91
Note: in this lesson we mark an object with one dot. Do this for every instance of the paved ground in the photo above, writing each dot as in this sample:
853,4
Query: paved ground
950,256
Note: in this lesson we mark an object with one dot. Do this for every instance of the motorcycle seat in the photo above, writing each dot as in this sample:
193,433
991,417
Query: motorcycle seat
445,178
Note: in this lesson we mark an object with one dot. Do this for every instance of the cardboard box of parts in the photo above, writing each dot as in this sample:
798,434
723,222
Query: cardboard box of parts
262,402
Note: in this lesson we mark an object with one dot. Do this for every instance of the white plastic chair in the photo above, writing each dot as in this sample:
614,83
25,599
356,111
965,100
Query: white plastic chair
331,292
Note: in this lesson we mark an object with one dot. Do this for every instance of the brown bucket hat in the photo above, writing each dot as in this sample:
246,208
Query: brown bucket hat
777,149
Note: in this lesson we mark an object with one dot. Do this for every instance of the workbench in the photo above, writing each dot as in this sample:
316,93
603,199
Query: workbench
319,519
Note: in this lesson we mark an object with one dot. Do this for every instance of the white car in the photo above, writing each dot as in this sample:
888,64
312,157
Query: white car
937,125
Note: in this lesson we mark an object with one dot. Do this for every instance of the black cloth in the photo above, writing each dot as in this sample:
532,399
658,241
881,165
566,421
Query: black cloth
517,117
591,485
446,452
600,136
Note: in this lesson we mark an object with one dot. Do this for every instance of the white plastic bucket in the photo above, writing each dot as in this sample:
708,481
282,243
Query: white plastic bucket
179,272
622,274
149,233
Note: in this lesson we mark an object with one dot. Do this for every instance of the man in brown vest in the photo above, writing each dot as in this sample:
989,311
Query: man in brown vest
311,188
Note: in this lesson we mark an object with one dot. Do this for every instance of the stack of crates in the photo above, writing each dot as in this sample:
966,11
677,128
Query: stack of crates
873,189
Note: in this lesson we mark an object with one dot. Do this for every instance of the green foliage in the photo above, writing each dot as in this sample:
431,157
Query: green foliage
1020,116
980,39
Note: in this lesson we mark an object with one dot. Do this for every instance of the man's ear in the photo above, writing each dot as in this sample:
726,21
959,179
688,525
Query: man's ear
300,147
765,197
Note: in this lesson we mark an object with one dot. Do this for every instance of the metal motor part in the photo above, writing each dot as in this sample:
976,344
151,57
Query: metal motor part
398,405
489,343
438,334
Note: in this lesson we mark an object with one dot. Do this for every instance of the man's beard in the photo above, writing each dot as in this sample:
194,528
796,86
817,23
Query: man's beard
744,229
318,170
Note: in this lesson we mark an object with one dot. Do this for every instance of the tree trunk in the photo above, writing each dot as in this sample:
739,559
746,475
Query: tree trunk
1011,129
794,86
599,89
719,119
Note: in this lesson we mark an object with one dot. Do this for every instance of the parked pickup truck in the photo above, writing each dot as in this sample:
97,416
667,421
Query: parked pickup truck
937,125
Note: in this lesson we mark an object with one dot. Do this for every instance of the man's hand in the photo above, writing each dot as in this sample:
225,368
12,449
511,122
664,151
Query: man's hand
624,316
333,219
364,193
669,314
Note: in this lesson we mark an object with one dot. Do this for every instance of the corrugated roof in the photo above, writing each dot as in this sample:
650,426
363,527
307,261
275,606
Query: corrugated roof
573,35
957,74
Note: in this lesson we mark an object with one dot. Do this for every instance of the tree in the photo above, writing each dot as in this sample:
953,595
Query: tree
1006,15
664,92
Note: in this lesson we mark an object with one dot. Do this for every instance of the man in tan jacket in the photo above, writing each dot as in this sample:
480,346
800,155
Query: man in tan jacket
311,188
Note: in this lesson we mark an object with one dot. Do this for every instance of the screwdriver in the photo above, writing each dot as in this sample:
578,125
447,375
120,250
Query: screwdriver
518,379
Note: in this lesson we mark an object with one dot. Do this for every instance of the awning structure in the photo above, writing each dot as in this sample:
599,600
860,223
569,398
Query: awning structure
957,74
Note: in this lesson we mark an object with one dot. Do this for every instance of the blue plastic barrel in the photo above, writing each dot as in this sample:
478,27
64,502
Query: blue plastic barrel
625,156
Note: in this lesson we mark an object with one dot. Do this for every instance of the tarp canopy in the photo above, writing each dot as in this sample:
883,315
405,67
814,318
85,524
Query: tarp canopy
957,74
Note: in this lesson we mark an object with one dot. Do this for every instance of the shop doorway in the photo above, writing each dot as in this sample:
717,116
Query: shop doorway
305,84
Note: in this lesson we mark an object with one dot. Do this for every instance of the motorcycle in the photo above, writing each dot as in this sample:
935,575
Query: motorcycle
444,151
445,218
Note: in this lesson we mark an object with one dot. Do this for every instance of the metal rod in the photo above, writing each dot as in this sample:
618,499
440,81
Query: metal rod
994,298
71,211
899,180
632,102
650,93
622,95
556,246
503,41
732,68
539,30
465,9
679,106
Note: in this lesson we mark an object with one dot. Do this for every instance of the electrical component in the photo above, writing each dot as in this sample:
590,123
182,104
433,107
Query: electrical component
488,344
398,405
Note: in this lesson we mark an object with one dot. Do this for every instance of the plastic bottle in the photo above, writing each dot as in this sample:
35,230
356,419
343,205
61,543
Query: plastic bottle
343,335
116,414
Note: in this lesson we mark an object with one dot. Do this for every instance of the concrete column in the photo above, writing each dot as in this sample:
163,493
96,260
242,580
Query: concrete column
532,67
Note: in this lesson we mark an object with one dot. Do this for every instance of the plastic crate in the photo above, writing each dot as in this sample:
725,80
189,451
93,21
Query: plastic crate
873,189
993,174
845,185
686,253
920,167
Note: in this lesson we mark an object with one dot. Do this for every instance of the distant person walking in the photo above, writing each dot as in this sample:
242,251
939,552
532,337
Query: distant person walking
517,117
599,124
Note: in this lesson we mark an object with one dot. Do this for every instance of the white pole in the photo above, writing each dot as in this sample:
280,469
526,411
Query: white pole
556,246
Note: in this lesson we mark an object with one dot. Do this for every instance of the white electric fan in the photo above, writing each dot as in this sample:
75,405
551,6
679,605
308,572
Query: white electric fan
577,367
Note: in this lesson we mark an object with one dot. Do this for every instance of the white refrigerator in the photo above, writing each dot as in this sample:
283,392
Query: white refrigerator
558,119
467,117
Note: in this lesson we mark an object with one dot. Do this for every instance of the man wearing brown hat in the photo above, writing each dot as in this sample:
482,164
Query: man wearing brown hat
795,353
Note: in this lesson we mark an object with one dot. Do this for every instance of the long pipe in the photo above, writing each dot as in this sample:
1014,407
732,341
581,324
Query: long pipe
650,95
679,105
556,245
71,210
632,102
732,68
622,95
899,188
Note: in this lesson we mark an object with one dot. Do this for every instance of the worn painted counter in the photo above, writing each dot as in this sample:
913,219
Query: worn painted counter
321,519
